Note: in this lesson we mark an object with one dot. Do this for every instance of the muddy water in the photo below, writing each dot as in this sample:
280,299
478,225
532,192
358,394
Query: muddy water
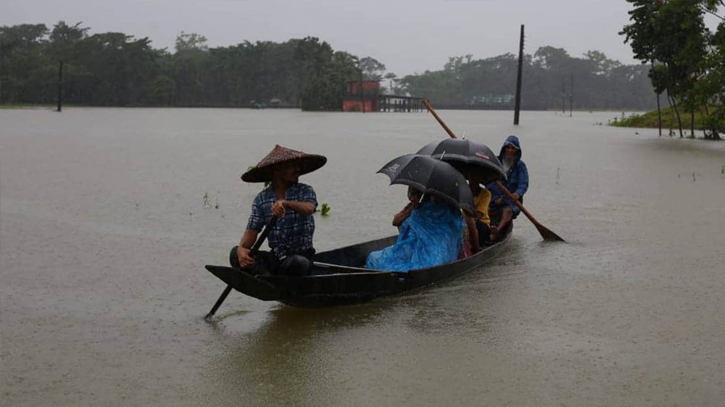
104,234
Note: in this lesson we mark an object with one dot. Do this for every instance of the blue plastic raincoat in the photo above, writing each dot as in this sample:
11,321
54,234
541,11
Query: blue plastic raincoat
432,235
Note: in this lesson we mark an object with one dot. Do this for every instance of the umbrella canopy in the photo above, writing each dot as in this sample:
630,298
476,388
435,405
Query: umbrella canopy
431,176
466,154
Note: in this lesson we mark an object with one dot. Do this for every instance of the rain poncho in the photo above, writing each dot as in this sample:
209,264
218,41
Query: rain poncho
432,235
517,182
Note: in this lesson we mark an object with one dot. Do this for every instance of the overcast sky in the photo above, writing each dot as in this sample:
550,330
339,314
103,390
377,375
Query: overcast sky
408,36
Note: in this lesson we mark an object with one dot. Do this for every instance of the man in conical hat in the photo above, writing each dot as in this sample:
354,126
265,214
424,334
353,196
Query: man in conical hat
292,202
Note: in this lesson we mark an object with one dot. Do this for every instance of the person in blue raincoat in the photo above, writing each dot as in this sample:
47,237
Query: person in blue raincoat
518,183
431,235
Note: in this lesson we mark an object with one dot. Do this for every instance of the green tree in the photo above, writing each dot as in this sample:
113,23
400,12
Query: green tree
673,38
392,81
117,69
371,68
188,70
191,42
162,91
24,63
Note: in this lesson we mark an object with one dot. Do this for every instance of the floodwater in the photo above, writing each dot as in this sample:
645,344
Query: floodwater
105,234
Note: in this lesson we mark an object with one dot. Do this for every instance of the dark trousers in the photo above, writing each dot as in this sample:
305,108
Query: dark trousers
484,233
265,262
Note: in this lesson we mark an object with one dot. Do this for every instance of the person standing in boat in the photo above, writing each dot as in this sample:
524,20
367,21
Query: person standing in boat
517,183
292,202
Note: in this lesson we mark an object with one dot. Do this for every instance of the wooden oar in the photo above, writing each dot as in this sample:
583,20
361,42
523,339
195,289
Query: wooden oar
545,233
252,252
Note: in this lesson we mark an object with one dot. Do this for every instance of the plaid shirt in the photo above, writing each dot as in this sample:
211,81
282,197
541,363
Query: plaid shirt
292,233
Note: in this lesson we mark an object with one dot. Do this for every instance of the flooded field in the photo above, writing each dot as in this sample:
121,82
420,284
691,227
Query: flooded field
104,234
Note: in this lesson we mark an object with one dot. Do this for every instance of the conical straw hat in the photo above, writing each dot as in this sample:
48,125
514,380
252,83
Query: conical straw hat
262,172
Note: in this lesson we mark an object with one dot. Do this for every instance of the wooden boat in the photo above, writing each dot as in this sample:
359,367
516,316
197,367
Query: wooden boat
337,277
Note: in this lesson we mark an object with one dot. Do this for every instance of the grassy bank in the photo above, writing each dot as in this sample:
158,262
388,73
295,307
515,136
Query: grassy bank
712,126
669,120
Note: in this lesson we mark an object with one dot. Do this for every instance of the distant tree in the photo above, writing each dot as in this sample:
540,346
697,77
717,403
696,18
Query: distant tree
321,93
601,83
191,42
392,80
371,68
65,36
188,70
325,88
162,91
118,69
24,62
601,65
551,58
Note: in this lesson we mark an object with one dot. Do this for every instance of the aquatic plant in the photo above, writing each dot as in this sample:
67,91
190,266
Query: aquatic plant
207,201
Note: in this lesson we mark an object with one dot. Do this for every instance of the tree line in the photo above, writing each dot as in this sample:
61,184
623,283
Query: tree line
115,69
686,58
552,79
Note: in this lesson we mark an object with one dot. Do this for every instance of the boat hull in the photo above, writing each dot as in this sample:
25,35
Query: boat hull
337,277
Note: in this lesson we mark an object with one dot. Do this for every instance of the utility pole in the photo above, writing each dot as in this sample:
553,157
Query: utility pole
362,94
60,86
1,74
517,107
571,96
659,115
563,95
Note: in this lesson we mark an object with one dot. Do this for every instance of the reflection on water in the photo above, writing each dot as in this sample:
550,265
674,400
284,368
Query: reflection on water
104,237
288,358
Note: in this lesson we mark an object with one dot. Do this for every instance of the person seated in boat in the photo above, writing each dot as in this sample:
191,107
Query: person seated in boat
414,197
501,207
431,235
478,225
293,203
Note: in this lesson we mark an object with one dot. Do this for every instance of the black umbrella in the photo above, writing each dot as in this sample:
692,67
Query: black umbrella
431,176
466,154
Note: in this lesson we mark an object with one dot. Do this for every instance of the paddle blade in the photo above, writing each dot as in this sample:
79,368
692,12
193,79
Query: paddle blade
548,235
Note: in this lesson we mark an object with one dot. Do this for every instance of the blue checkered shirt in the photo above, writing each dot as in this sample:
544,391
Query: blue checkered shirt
292,233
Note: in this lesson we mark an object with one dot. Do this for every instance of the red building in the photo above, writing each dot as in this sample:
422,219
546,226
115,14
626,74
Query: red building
362,98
